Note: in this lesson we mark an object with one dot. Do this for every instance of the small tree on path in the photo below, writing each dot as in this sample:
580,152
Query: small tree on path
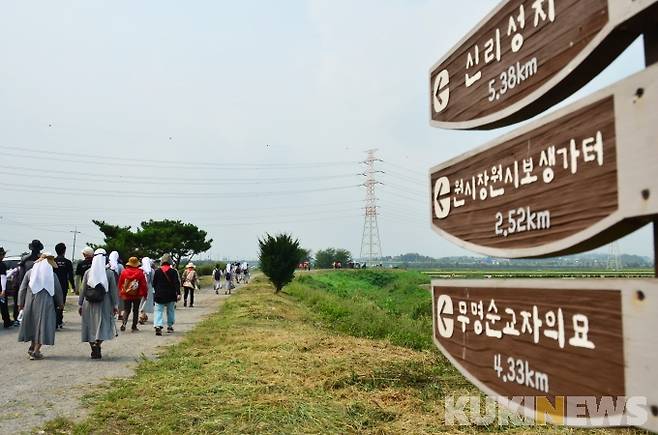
279,257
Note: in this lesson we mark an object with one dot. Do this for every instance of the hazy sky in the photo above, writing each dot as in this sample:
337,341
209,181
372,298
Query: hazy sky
243,117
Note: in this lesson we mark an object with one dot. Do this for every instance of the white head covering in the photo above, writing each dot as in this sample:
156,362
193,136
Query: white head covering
97,273
114,261
42,276
146,265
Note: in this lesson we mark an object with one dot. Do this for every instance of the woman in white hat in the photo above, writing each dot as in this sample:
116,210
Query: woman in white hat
146,307
39,294
190,282
98,303
115,266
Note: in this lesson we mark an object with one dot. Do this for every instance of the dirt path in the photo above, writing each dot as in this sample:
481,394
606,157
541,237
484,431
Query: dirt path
33,392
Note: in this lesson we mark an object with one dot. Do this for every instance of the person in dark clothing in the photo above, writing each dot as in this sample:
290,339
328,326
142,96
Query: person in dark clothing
28,261
166,286
26,265
83,266
4,308
64,272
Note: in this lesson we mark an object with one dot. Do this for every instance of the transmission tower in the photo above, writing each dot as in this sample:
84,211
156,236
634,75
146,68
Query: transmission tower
371,246
614,257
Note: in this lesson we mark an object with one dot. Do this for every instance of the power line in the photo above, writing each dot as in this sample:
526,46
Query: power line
155,195
52,208
85,177
406,190
415,182
232,217
155,163
395,165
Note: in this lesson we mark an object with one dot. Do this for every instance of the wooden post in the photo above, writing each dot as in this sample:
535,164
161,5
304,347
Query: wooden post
650,57
651,45
655,247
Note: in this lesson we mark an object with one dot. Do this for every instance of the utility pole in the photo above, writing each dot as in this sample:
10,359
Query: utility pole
371,246
75,238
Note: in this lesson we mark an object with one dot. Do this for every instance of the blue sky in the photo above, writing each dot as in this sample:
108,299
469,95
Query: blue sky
244,117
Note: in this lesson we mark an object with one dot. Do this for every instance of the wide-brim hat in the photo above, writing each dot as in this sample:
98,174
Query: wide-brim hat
50,258
190,265
133,262
35,245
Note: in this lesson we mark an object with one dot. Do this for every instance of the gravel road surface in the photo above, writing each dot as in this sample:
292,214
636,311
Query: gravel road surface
33,392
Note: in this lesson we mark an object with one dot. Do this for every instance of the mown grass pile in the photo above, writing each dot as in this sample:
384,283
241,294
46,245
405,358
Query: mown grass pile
267,364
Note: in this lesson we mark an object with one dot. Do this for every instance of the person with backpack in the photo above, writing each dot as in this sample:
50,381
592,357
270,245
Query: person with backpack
28,261
132,288
235,270
83,266
217,278
190,283
39,294
98,304
229,278
245,272
166,286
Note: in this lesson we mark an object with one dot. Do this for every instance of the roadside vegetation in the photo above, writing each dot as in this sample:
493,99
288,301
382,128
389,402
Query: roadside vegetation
537,273
266,363
392,305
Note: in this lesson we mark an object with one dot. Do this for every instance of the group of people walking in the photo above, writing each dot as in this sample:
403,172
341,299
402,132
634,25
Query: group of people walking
105,289
233,273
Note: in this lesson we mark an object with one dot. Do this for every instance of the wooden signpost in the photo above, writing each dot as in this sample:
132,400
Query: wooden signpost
554,339
527,55
572,181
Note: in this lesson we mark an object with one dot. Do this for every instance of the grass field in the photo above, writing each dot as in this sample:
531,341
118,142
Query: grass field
547,273
393,305
297,363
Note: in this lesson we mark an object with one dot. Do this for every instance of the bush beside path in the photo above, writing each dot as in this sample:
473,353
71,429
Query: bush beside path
34,392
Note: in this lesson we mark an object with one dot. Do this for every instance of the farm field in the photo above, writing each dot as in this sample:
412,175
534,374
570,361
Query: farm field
548,273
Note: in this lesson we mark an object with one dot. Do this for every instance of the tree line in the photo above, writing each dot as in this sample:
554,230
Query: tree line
154,239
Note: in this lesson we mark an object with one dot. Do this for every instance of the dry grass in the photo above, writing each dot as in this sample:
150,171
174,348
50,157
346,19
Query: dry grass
264,365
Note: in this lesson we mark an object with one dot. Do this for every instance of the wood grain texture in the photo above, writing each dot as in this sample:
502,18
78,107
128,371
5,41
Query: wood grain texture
571,371
553,44
575,201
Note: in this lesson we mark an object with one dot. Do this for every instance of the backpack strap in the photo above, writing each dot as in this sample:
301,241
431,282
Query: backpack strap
167,276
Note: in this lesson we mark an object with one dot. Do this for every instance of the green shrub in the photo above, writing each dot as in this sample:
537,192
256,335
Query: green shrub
279,257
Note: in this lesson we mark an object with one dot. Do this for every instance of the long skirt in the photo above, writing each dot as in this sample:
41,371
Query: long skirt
98,320
147,302
39,321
